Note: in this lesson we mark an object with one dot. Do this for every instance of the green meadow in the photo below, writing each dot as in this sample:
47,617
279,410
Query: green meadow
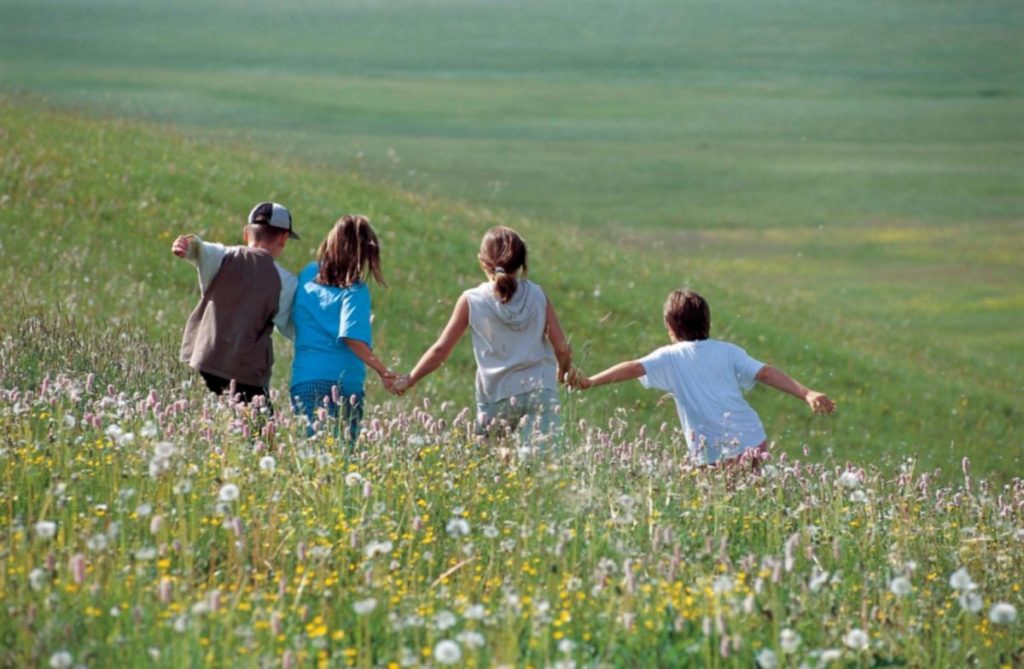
842,180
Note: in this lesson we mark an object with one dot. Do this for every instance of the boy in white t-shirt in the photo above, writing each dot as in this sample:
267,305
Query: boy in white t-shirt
707,378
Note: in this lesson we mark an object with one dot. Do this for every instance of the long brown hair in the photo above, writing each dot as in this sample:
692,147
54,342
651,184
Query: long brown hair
503,254
350,253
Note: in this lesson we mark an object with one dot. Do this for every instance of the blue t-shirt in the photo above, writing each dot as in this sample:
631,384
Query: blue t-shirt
323,316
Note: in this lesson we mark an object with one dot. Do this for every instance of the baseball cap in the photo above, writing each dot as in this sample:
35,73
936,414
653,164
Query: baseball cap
274,215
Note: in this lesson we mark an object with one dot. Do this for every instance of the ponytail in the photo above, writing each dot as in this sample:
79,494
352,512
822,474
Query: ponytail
503,254
505,286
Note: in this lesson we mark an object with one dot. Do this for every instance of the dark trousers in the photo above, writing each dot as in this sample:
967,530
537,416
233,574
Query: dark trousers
218,386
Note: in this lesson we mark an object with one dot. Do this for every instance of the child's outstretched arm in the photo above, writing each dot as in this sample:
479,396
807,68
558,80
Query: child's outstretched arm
624,371
775,378
563,352
205,256
442,348
365,353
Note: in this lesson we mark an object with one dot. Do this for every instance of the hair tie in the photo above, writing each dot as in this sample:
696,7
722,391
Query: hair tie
499,270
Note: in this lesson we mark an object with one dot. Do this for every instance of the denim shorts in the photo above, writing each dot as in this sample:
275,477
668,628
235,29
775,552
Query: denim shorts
533,417
308,396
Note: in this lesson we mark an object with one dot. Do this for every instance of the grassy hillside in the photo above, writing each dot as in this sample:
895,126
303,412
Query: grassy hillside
913,329
693,113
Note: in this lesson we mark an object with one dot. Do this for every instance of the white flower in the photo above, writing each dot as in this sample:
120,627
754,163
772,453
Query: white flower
970,601
722,584
126,439
228,492
818,579
1002,613
144,510
789,640
474,612
364,606
97,542
471,639
900,586
858,497
149,430
766,659
830,655
181,624
445,620
147,553
566,646
45,529
61,660
353,479
114,431
490,531
856,639
447,652
375,548
457,527
849,480
267,463
961,580
163,450
69,420
37,578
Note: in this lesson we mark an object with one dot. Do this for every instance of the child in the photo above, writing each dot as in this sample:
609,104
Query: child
707,379
333,333
244,294
517,342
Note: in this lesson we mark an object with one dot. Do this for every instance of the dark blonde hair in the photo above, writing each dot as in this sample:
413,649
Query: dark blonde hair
502,254
263,234
350,253
688,315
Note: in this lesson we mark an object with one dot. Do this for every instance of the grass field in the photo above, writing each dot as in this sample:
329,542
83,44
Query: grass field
844,182
674,114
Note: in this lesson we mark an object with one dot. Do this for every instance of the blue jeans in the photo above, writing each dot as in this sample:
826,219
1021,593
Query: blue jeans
308,396
533,416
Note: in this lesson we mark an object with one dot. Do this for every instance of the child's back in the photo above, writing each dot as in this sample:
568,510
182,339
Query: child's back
707,379
228,333
513,355
245,293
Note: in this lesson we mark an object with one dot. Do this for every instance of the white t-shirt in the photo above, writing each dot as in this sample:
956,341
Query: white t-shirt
707,378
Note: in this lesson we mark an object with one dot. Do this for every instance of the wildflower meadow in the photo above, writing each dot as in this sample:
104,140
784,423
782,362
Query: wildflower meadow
170,528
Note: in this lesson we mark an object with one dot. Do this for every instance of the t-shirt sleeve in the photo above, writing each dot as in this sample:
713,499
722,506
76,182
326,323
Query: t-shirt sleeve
657,370
745,368
283,319
355,315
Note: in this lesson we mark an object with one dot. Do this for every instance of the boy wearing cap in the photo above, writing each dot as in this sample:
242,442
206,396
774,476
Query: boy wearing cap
245,293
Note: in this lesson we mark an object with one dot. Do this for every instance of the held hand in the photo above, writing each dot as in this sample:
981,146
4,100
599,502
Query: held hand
574,378
180,246
395,383
819,402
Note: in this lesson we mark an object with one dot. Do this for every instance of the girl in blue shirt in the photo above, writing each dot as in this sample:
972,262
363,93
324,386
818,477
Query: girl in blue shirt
333,333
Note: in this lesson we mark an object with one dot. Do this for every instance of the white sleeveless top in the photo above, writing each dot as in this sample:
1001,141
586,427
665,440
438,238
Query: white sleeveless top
512,354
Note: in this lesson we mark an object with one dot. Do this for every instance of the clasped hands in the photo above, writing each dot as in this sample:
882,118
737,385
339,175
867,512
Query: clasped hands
396,383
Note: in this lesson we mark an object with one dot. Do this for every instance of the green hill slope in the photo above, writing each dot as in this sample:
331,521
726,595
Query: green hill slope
875,316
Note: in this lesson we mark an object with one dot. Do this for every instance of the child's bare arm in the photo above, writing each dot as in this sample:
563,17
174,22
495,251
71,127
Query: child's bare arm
819,402
365,353
563,352
442,348
624,371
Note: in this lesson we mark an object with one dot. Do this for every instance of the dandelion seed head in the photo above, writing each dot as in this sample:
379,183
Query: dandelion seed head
856,639
228,492
447,652
1002,613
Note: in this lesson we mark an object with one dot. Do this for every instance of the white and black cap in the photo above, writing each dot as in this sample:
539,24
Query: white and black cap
274,215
